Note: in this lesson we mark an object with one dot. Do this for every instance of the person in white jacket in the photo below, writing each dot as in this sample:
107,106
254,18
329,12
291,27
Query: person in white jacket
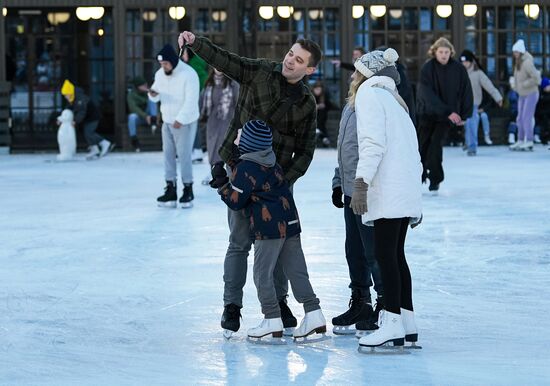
387,188
176,87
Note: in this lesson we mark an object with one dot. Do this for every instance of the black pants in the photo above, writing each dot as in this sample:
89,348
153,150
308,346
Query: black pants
389,250
360,254
431,135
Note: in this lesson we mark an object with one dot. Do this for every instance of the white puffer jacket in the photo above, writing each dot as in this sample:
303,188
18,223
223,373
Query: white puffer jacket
389,161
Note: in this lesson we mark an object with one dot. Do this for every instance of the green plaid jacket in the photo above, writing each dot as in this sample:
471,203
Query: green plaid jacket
262,95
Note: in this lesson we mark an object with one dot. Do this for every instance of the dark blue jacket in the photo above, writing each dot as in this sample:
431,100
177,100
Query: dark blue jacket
258,187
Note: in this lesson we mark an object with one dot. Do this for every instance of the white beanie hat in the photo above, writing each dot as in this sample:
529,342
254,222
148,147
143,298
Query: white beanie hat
375,61
519,46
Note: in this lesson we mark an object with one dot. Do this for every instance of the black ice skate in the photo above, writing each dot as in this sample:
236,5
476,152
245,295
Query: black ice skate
359,310
231,320
365,327
135,144
170,197
186,199
289,321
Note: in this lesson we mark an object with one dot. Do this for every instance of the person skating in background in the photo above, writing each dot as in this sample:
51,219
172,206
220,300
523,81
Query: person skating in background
258,187
141,110
322,99
387,188
218,101
444,98
200,66
542,114
525,82
176,87
86,117
479,82
276,93
359,244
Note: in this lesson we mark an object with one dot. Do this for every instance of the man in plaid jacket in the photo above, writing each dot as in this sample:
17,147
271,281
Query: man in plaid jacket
276,93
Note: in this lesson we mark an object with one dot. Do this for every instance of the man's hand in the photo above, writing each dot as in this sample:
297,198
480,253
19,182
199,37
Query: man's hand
359,197
177,125
148,120
455,118
186,37
337,197
336,62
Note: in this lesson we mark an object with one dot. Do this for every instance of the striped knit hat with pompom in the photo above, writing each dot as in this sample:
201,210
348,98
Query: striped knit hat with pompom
255,136
378,63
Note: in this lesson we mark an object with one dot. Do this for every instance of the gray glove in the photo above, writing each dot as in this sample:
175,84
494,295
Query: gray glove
359,197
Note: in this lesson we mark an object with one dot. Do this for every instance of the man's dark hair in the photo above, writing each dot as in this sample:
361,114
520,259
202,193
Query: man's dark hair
360,49
313,48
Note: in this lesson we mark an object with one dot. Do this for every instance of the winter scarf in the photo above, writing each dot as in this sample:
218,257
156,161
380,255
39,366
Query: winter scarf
222,110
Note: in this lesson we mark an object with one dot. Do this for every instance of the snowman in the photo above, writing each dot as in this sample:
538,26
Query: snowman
66,137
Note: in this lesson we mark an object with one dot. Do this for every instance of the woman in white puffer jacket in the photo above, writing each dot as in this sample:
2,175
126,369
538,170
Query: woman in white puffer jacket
387,189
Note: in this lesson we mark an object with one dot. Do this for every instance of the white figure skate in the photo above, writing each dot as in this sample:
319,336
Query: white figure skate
269,331
390,331
409,325
313,323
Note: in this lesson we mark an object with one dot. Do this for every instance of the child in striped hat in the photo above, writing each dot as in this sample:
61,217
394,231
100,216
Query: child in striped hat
257,185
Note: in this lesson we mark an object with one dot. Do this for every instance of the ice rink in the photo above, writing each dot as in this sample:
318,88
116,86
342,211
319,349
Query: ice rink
98,286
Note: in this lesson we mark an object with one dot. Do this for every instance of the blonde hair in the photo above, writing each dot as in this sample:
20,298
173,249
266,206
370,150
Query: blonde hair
354,86
441,42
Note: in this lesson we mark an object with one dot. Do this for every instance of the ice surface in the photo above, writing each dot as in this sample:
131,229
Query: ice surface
99,286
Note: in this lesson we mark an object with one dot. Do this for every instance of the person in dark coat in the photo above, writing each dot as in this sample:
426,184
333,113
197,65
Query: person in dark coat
444,99
258,187
86,115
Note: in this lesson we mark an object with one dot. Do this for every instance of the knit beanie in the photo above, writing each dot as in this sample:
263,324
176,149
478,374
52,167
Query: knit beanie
169,55
255,136
380,63
139,81
467,56
519,46
68,89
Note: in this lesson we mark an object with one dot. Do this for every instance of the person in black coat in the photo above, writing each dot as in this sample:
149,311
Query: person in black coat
444,98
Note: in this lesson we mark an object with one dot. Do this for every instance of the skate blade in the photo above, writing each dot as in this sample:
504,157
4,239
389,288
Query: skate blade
265,340
380,350
227,334
186,205
361,333
311,339
344,330
288,331
413,346
171,204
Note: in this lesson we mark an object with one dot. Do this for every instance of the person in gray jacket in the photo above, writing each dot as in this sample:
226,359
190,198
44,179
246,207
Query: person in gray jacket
359,244
479,82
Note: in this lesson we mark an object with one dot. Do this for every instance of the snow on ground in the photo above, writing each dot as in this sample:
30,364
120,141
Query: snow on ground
98,286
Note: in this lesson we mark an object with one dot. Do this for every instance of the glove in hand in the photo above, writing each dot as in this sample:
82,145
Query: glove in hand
219,175
337,197
359,197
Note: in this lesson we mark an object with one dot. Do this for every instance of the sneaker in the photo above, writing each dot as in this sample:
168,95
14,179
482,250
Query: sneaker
170,196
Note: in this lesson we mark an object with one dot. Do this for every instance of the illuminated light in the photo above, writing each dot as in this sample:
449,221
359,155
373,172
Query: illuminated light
149,15
4,12
377,10
357,11
176,13
297,15
266,12
285,11
315,14
87,13
396,13
56,18
219,16
444,11
531,10
100,32
470,10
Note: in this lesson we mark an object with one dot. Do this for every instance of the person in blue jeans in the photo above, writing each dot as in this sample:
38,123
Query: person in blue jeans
141,110
359,244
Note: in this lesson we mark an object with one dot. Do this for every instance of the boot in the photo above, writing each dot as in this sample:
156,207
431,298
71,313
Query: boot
364,327
360,309
272,326
231,319
313,322
93,152
105,146
135,144
289,321
511,138
526,146
187,197
409,325
170,197
390,330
